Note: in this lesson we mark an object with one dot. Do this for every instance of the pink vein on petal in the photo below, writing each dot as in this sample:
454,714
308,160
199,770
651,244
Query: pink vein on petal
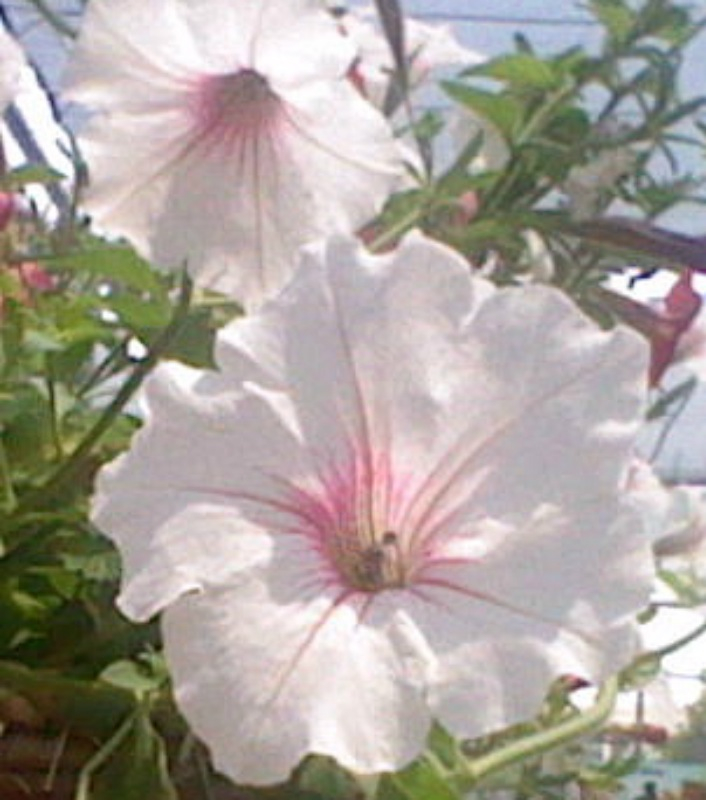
491,439
306,644
484,597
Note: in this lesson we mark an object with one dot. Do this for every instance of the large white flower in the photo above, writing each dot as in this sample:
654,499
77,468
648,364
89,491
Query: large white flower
227,134
397,500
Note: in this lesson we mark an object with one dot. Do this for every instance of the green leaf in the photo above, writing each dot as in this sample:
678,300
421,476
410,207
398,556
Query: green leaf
119,263
138,314
445,747
92,708
195,341
132,676
32,173
569,126
134,770
522,70
616,16
42,342
420,781
504,112
323,777
665,402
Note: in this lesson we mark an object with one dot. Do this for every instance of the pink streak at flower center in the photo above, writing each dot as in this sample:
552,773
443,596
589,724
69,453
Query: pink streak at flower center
235,107
352,518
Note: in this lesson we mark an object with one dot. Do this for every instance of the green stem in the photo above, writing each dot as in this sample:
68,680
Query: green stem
204,775
55,20
401,227
578,725
669,424
10,500
505,183
678,644
34,541
103,366
73,466
53,408
100,758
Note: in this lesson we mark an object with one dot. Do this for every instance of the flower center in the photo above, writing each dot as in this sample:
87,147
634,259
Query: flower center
242,93
353,514
369,568
231,107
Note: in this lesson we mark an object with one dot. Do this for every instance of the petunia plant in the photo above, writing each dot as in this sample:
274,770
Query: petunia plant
322,411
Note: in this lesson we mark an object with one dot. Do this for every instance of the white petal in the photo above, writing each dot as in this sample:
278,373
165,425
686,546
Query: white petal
127,56
428,47
544,371
267,672
434,46
186,506
393,322
128,49
530,609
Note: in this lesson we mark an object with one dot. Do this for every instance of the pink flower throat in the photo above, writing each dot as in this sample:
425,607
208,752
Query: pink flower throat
353,519
233,107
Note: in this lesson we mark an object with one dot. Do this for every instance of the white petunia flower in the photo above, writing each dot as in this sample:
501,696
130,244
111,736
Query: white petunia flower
674,517
226,134
586,184
428,48
396,501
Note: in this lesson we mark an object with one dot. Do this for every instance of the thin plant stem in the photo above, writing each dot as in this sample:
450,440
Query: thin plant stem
9,499
203,773
668,426
102,368
393,233
53,18
672,647
53,408
73,466
578,725
102,756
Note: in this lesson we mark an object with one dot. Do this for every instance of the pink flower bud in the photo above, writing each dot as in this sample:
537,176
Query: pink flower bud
35,277
356,77
8,208
668,326
467,206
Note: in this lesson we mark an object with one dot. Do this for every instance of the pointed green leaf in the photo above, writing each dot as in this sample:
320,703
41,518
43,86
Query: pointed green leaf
504,112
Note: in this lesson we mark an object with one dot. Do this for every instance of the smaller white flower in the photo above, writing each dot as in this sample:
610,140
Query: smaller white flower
428,48
674,516
586,185
226,135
